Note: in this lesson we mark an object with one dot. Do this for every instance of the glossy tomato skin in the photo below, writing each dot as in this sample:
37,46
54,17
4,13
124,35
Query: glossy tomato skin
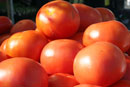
22,72
101,63
106,14
62,80
5,24
88,15
3,56
58,56
23,25
110,31
3,37
58,19
87,85
121,83
25,44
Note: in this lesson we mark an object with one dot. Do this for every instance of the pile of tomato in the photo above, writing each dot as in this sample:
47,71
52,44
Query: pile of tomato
69,45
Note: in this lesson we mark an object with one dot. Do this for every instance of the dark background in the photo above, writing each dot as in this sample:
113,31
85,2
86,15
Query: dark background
27,9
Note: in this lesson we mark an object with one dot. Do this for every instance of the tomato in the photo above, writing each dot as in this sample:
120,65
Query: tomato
4,37
25,44
22,72
58,56
23,25
58,19
87,85
127,74
101,63
106,14
88,15
110,31
62,80
122,83
78,37
3,56
5,24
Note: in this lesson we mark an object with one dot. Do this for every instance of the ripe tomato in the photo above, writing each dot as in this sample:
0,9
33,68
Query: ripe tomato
88,15
106,14
22,72
101,63
78,37
127,74
87,85
23,25
58,19
4,37
122,83
62,80
25,44
3,56
58,56
110,31
5,24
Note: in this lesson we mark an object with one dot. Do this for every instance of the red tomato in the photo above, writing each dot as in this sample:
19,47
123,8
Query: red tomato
58,19
101,63
62,80
88,15
87,85
127,74
23,25
122,83
4,37
5,24
58,56
78,37
25,44
110,31
106,14
22,72
3,56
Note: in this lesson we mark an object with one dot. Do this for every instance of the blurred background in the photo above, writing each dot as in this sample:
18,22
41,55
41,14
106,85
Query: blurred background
27,9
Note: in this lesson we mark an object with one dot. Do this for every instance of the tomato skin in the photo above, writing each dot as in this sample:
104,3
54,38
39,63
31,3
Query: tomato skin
122,83
62,80
88,15
101,63
58,56
23,25
5,24
3,37
87,85
106,14
78,37
3,56
25,44
22,72
110,31
58,19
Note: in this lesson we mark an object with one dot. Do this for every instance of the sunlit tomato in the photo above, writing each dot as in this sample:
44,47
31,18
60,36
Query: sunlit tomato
22,72
58,56
58,19
122,83
5,24
106,14
88,15
127,74
101,63
87,85
62,80
23,25
25,44
4,37
78,37
110,31
3,45
3,56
